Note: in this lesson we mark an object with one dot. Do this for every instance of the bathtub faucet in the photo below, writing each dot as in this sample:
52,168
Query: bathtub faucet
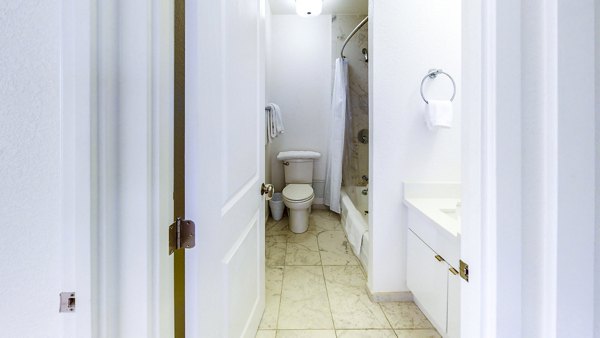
365,192
365,178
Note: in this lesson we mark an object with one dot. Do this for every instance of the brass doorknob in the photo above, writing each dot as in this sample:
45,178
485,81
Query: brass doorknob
267,189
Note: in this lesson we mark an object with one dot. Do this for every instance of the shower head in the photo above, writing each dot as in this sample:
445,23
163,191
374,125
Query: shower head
366,54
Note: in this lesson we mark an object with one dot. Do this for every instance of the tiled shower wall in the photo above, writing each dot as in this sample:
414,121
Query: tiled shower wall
342,25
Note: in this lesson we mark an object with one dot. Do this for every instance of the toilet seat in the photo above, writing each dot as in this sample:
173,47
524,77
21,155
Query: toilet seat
298,193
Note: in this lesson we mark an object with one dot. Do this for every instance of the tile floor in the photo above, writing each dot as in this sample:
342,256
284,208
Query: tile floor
316,288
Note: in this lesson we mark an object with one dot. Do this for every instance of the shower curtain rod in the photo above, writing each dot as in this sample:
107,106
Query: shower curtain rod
362,23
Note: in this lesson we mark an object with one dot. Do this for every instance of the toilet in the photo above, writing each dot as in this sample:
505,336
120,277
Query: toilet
298,193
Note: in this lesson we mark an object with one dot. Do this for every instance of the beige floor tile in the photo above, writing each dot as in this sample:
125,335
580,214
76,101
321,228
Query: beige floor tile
324,220
275,247
277,228
270,221
266,334
350,304
365,334
427,333
335,249
306,334
405,315
304,303
302,249
274,281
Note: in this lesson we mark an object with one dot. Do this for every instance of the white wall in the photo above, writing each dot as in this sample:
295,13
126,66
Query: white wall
30,161
407,38
299,81
597,267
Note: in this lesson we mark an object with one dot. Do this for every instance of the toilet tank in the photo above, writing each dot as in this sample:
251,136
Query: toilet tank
298,166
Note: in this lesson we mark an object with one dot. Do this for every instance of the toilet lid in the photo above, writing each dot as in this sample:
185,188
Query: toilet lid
297,192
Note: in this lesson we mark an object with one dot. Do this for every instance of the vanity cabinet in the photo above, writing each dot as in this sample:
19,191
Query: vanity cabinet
435,288
433,249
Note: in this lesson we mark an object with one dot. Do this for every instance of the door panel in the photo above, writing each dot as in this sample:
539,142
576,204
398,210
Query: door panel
240,278
239,125
224,167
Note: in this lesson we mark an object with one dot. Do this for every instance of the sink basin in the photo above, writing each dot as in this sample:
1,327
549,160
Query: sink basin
444,212
451,212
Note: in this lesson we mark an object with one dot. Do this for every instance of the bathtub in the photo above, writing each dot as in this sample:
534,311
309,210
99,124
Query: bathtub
356,219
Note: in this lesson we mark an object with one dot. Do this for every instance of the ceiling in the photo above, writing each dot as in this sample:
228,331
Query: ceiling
329,6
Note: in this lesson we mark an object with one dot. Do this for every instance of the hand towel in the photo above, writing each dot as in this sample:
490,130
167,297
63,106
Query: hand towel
439,114
274,122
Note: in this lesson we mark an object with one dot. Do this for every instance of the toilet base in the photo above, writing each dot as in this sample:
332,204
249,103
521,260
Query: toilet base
298,220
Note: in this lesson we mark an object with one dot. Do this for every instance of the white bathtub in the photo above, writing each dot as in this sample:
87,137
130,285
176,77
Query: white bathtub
355,218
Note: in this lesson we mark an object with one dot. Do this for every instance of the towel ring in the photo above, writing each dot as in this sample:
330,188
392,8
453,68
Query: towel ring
432,74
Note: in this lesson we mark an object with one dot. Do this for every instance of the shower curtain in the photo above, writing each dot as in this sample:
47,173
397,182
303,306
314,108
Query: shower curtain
339,109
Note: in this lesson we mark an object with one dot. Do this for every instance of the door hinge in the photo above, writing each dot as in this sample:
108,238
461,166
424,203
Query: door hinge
464,270
182,235
67,302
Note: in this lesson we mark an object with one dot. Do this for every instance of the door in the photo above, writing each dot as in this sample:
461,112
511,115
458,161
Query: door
224,167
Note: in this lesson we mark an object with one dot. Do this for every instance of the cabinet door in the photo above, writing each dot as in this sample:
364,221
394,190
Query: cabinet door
453,305
427,278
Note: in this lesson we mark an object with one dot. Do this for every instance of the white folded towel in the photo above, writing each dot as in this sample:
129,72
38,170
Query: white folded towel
354,229
439,114
274,122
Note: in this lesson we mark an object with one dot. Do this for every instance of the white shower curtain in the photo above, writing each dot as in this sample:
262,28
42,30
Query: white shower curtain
339,106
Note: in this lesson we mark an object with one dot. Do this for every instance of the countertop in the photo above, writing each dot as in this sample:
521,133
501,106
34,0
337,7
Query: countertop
441,211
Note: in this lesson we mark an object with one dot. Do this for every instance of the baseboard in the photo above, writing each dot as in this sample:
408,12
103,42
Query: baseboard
382,297
320,206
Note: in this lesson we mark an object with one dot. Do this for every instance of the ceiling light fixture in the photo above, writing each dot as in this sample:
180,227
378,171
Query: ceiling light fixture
308,8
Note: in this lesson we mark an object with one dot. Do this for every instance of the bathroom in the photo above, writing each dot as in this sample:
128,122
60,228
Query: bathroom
387,145
133,158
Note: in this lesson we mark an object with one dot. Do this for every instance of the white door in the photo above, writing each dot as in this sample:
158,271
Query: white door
225,167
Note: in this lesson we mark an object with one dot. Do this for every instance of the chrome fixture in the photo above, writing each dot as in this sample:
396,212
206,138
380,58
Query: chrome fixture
432,74
362,23
366,54
365,192
365,178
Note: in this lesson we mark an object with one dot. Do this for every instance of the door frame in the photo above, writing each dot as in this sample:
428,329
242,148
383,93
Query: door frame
77,183
135,167
494,41
491,171
117,166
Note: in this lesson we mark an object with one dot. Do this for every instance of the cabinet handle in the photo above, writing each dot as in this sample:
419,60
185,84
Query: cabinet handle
439,258
454,271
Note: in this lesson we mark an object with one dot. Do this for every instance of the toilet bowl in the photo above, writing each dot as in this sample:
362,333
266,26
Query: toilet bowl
298,199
